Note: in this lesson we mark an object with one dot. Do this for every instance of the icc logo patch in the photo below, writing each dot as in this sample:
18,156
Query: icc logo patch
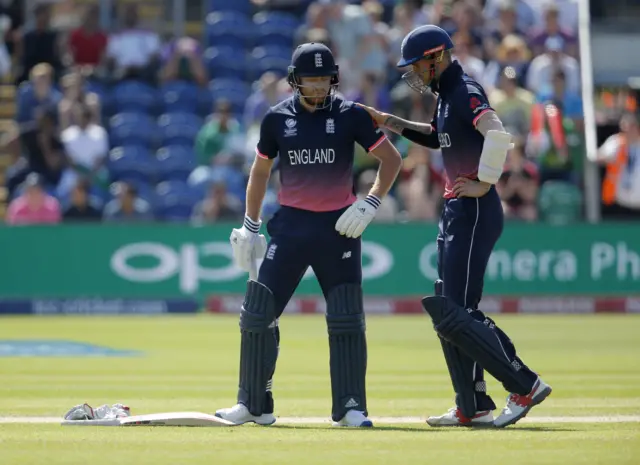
291,129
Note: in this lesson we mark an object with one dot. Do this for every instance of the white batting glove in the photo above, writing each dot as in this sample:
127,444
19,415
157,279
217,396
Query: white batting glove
357,217
247,244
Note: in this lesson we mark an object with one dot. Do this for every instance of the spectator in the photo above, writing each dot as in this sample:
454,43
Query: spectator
372,92
41,45
376,60
216,133
75,100
466,24
402,25
513,104
81,209
127,207
513,53
86,145
14,10
556,144
421,186
518,187
182,60
472,65
388,210
219,205
34,205
543,66
526,14
133,52
44,154
506,25
264,97
620,153
87,44
570,103
353,38
36,96
552,28
5,58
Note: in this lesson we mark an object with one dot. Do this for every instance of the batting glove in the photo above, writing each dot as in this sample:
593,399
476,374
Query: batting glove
357,217
247,244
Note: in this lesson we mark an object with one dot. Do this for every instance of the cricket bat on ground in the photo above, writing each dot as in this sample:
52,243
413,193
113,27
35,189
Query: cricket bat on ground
157,419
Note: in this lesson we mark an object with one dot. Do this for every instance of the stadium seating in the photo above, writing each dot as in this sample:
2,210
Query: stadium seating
180,96
229,28
179,128
226,62
132,164
132,128
135,96
241,6
175,200
175,163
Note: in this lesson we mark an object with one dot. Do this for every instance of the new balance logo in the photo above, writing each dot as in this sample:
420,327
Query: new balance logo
346,255
271,252
351,403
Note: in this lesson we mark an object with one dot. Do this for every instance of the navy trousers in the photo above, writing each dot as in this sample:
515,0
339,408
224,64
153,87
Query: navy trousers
300,239
469,229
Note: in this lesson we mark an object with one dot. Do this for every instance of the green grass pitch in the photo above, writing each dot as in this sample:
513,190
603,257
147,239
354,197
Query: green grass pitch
190,363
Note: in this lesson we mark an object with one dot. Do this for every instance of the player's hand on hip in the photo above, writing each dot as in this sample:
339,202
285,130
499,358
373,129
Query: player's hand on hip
465,187
247,244
379,117
357,217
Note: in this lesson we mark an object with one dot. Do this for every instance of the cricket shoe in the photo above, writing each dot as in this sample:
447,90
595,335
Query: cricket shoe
239,415
454,417
518,405
354,419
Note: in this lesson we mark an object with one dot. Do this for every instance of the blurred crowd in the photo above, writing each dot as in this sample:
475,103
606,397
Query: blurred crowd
126,125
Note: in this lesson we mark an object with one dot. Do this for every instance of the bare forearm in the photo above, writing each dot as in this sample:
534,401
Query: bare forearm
387,174
256,189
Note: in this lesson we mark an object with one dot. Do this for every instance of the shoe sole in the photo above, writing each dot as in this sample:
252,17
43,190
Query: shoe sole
364,424
462,425
537,400
248,421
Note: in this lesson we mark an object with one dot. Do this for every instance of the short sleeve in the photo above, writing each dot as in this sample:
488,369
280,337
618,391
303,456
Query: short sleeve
367,132
472,104
268,144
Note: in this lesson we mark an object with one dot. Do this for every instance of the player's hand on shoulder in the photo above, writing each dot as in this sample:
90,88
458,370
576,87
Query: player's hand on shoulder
465,187
379,117
247,244
357,217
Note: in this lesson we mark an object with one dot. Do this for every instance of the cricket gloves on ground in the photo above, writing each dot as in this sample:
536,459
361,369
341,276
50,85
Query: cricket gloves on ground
247,244
357,217
104,412
493,156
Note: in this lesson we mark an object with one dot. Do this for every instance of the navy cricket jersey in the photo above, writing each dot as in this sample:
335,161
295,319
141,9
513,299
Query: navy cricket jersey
461,102
316,151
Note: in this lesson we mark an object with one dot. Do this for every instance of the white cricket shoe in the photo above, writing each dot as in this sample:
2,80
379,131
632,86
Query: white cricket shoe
518,406
354,419
239,415
454,417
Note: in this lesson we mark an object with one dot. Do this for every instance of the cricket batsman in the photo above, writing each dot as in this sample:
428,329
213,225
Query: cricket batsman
319,225
474,147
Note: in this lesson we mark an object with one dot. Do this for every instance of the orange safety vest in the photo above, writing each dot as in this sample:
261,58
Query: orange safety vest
614,168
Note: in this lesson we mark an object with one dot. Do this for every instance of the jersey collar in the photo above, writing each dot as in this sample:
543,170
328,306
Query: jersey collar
449,78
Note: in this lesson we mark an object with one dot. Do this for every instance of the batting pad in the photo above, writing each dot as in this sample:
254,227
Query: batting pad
156,419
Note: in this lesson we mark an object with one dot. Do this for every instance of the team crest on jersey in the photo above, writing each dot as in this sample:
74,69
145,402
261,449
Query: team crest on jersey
291,129
331,126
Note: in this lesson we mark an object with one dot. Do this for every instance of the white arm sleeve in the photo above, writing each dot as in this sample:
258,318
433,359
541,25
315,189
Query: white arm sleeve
497,142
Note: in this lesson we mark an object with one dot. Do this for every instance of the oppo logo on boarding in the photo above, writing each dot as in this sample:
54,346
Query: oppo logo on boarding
185,263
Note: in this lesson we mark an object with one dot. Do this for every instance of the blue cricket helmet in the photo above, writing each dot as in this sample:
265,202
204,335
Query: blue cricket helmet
313,60
424,42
